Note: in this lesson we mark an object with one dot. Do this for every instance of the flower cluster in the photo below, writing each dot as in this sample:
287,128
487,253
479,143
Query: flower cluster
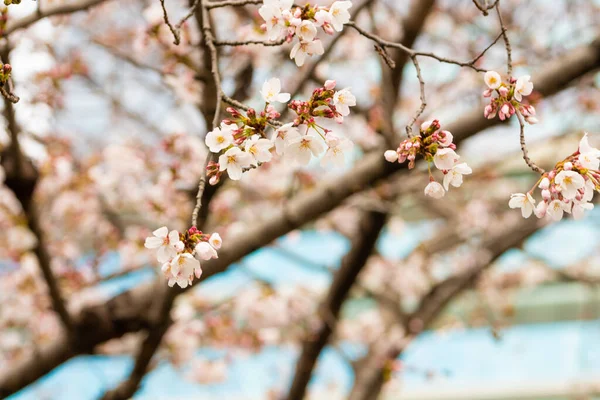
242,144
177,253
509,97
283,21
569,187
436,146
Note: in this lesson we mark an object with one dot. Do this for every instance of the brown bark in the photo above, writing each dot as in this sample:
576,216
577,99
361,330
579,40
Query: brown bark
370,226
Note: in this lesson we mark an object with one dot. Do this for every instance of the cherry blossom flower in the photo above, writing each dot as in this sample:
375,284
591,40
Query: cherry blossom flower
492,79
259,148
284,135
303,49
589,157
579,207
343,100
445,159
556,209
337,148
324,20
234,161
215,241
454,177
181,270
219,138
306,31
523,201
570,182
339,14
167,243
302,148
523,87
205,251
271,92
435,190
271,13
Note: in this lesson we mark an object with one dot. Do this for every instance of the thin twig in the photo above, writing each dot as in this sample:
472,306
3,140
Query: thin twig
486,8
411,53
248,42
233,3
506,41
209,41
528,161
421,96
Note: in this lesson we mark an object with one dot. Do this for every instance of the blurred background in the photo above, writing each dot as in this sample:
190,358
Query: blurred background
458,298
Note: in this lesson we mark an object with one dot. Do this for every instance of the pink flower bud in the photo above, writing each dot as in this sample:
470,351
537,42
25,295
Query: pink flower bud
487,92
503,91
546,195
213,180
568,166
552,174
505,109
446,138
329,84
425,125
545,183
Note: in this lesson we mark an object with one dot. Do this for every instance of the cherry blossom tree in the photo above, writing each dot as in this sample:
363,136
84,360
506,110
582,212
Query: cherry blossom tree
180,137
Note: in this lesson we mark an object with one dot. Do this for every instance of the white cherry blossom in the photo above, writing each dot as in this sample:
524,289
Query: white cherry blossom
302,148
181,270
271,13
570,182
234,161
335,154
444,159
303,49
339,14
523,201
589,157
523,87
284,135
306,31
556,209
215,241
492,79
167,243
259,148
454,177
435,190
579,208
343,100
219,138
205,251
271,92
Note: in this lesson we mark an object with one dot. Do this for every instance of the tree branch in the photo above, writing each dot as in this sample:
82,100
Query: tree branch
370,226
60,9
125,312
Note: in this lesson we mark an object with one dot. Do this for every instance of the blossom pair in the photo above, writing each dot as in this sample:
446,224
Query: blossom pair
282,21
436,146
569,187
176,253
509,96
